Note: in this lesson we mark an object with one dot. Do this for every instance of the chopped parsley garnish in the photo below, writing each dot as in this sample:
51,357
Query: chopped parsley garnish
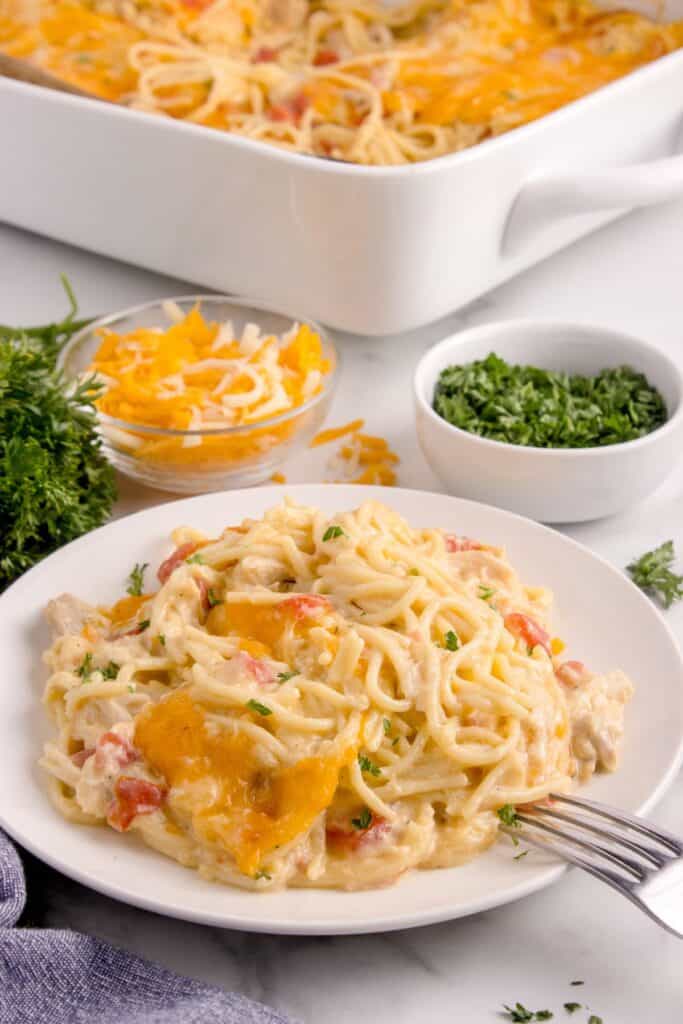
387,726
572,1007
594,1019
486,593
131,688
527,405
652,573
332,532
451,641
55,482
364,819
212,599
136,579
260,709
284,676
110,671
162,639
86,666
520,1015
508,815
195,559
142,626
366,765
262,874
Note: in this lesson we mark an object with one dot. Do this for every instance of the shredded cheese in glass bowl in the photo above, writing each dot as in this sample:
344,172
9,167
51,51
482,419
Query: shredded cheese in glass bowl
203,393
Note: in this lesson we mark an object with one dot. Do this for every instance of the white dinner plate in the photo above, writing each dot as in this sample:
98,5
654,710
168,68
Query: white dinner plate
605,619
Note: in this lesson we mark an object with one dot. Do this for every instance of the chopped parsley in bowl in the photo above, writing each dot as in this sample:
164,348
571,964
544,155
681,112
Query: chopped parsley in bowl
528,405
562,422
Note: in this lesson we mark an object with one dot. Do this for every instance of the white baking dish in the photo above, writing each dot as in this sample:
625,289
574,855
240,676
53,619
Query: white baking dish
370,250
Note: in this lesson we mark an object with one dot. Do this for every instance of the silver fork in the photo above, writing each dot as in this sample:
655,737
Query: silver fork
642,862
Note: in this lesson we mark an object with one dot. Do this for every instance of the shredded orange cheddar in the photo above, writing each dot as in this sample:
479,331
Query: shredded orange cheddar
334,433
364,459
197,375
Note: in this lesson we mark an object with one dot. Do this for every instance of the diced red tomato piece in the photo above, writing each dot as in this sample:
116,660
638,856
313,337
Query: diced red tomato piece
305,605
455,544
114,751
572,674
264,55
204,602
529,631
290,110
324,57
81,756
173,561
346,838
132,797
257,669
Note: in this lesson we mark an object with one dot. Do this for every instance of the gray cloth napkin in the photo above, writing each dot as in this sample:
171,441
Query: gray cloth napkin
50,976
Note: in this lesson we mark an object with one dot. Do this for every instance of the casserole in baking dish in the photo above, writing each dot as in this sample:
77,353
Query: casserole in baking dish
369,249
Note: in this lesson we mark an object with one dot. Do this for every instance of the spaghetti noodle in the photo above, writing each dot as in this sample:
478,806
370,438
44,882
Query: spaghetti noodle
309,701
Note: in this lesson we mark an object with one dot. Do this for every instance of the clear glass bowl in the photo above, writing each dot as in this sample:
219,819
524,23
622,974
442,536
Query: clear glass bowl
212,459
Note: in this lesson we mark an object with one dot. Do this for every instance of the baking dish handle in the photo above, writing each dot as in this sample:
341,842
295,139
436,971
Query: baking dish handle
551,197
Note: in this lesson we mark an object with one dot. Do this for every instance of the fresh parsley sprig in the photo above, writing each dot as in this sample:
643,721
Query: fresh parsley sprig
652,572
55,482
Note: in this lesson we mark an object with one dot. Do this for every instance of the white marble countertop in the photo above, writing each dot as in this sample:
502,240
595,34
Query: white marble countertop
628,276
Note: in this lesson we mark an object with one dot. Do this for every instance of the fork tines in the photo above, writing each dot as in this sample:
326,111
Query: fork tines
618,848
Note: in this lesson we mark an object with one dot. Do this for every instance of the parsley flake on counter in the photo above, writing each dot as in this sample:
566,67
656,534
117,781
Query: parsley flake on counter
55,482
527,405
332,532
451,641
364,819
136,579
594,1019
520,1015
508,815
260,709
652,572
366,765
572,1007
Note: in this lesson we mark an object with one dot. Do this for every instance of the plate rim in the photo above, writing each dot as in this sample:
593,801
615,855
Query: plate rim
395,920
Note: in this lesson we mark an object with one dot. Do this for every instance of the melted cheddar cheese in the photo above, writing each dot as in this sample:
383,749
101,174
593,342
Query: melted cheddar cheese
217,781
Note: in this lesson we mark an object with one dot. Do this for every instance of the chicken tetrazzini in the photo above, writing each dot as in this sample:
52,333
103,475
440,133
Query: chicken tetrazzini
316,701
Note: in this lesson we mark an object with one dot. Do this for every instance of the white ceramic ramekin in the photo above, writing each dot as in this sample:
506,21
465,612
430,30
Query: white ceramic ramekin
551,485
